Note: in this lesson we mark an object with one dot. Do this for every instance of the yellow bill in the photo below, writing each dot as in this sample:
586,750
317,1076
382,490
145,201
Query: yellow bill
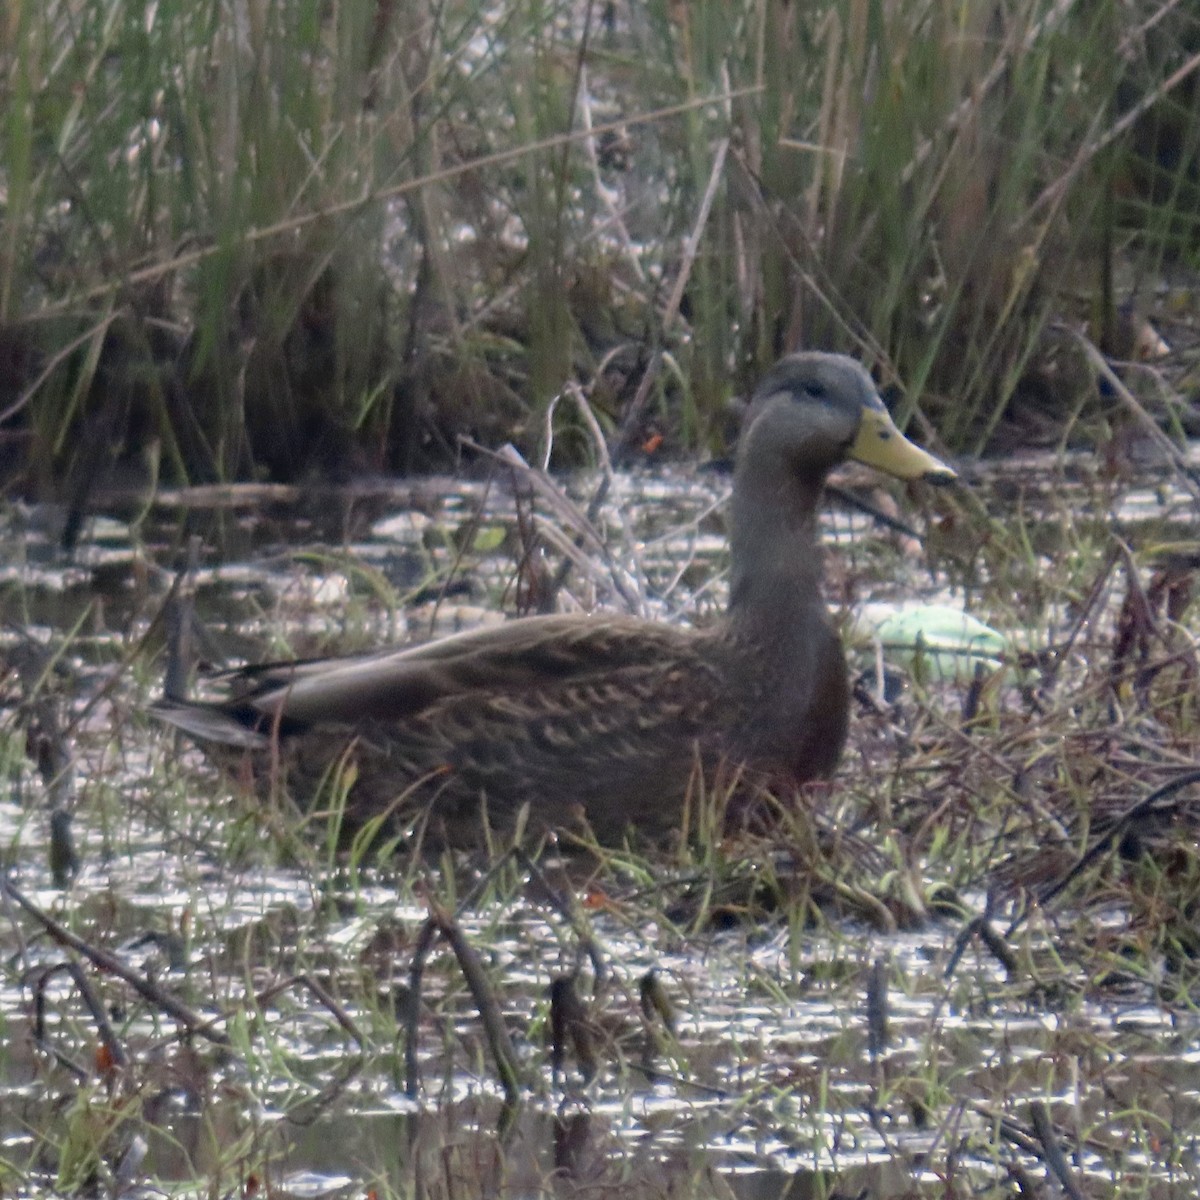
881,445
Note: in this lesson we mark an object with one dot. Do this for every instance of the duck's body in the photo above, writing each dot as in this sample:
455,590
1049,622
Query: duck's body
613,719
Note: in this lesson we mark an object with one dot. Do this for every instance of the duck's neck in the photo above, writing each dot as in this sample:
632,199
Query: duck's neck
775,558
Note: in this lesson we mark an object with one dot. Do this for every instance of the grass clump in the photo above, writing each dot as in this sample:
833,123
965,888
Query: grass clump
948,957
294,237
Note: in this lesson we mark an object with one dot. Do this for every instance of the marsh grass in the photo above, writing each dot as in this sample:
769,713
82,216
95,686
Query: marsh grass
293,1059
264,240
938,848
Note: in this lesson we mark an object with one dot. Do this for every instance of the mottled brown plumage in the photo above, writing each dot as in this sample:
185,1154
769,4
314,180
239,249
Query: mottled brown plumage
609,718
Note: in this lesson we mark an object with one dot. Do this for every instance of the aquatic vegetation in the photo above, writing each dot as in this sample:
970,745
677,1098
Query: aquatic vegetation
967,960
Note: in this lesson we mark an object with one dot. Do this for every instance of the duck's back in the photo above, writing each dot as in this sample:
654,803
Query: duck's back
617,749
618,721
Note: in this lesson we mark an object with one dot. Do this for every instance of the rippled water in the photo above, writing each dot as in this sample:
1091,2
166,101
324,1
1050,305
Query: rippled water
770,1083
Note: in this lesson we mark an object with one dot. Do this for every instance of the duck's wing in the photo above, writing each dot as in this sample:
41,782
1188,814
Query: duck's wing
521,657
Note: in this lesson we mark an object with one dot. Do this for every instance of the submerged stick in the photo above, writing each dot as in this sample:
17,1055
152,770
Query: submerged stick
569,1021
108,1038
430,929
412,1021
1052,1151
500,1044
192,1021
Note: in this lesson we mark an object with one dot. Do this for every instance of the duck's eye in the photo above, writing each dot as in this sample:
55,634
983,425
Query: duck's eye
816,390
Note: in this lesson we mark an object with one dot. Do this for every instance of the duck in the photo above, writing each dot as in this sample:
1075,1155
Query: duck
606,726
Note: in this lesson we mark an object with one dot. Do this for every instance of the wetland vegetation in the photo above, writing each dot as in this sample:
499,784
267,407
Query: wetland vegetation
267,240
969,957
257,258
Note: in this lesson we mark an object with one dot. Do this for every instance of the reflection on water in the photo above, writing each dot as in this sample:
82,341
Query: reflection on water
769,1088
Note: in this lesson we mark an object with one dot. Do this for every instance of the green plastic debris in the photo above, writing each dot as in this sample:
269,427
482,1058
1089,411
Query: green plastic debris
938,640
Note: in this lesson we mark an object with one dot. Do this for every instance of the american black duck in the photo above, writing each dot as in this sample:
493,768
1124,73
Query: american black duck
607,718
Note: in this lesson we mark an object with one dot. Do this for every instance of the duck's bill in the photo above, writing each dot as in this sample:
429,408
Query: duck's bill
881,445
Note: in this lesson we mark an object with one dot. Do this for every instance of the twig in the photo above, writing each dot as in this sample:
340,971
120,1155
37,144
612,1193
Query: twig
321,994
503,1053
1143,808
1052,1152
430,929
1177,457
179,614
334,1085
692,245
1062,650
587,537
981,926
863,505
1053,192
605,194
108,1037
637,406
190,1020
412,1067
638,575
569,911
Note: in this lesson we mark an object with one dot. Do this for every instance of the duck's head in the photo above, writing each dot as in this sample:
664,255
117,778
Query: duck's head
812,411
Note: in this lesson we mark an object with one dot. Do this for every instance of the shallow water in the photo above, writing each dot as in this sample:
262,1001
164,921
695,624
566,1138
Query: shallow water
769,1084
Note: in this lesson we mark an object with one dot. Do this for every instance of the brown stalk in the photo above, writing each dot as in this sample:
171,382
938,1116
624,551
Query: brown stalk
503,1054
192,1021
